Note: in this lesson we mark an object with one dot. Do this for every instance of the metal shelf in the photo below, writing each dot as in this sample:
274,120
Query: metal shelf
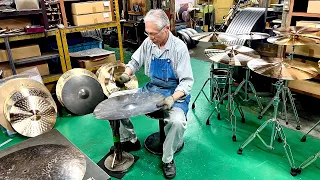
51,78
73,29
20,13
304,14
25,36
43,57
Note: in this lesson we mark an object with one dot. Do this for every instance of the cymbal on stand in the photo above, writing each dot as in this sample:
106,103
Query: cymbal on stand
284,69
295,30
293,40
214,37
253,36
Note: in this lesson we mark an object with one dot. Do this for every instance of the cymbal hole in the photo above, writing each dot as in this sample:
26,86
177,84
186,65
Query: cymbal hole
83,94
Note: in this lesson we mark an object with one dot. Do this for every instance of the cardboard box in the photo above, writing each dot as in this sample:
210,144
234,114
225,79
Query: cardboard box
43,69
97,61
87,19
313,24
313,6
90,7
20,53
17,23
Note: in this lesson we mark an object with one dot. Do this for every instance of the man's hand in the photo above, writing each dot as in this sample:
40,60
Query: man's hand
123,78
167,103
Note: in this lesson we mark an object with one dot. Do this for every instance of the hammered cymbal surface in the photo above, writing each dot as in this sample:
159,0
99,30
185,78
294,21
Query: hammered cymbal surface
12,86
214,37
128,105
232,55
293,40
295,30
49,161
253,36
284,69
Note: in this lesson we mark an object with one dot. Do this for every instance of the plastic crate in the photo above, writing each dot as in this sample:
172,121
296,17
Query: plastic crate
79,44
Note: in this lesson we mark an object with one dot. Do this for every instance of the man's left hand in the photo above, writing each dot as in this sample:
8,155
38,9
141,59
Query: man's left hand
167,103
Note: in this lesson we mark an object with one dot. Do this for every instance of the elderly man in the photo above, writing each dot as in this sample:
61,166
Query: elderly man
167,62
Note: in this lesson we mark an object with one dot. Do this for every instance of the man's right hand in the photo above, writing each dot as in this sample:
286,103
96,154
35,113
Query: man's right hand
123,78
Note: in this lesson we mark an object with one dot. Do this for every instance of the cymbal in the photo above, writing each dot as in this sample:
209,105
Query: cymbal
253,36
293,40
79,91
214,37
232,55
285,69
109,73
106,65
48,161
12,86
32,116
128,105
295,30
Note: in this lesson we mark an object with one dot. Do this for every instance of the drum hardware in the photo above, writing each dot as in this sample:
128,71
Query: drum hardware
307,162
120,107
304,137
276,130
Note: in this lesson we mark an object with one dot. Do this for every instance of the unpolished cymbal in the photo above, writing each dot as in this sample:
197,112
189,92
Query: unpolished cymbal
295,30
32,116
214,37
79,91
283,68
253,36
293,40
232,55
109,73
128,105
15,85
49,161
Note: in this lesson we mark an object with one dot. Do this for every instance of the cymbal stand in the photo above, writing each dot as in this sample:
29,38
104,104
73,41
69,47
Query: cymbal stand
231,105
276,130
309,161
285,93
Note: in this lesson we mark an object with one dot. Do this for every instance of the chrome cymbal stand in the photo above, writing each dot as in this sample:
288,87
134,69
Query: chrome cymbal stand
276,130
309,161
285,93
304,137
231,105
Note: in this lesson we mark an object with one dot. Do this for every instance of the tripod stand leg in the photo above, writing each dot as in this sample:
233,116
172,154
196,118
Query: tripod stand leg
254,135
284,110
216,108
310,160
255,95
294,108
304,138
201,91
233,119
243,120
266,108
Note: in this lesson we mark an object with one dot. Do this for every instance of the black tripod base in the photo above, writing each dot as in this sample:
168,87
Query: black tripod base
295,171
155,146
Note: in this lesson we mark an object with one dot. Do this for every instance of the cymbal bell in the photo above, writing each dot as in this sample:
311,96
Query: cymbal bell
295,30
253,36
108,75
284,69
232,55
214,37
295,40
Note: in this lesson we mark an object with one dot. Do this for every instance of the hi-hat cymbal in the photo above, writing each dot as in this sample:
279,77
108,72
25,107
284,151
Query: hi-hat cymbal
295,40
16,85
214,37
232,55
48,161
128,105
295,30
253,36
32,116
79,91
109,73
285,69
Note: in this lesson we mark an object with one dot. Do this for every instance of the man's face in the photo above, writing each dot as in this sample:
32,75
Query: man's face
156,36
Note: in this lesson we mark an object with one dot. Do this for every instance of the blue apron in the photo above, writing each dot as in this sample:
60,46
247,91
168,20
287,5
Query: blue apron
164,81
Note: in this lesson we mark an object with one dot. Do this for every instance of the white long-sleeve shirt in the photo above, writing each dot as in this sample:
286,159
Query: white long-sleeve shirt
175,50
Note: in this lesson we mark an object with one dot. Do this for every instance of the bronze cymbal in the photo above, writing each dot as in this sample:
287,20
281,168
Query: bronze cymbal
128,105
32,115
293,40
214,37
107,65
109,73
285,69
232,55
253,36
295,30
15,85
48,161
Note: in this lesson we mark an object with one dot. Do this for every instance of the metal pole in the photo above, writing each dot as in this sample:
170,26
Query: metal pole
6,42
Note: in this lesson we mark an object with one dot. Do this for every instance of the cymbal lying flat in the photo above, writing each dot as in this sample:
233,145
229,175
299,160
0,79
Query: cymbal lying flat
232,55
284,69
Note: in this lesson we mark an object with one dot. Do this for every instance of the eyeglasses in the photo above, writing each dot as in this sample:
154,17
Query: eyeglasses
153,34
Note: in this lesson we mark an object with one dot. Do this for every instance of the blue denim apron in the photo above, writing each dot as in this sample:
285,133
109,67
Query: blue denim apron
164,81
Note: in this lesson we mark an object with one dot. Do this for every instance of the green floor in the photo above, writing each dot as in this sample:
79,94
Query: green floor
209,152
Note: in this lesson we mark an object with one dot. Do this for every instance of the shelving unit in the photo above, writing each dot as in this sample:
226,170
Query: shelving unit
74,29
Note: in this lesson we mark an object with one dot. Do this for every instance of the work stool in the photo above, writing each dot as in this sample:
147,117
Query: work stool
154,142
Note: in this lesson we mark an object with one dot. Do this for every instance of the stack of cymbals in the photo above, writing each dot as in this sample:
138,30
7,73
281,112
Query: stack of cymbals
26,106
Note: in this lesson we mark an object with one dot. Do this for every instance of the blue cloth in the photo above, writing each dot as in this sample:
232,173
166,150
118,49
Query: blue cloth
164,81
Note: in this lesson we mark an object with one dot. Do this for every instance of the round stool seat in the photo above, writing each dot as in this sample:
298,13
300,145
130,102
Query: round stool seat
155,146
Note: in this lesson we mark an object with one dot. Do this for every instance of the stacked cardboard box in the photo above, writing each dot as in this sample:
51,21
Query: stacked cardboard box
313,6
86,13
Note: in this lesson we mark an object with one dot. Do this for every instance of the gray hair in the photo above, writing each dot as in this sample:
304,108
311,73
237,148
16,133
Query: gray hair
158,17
